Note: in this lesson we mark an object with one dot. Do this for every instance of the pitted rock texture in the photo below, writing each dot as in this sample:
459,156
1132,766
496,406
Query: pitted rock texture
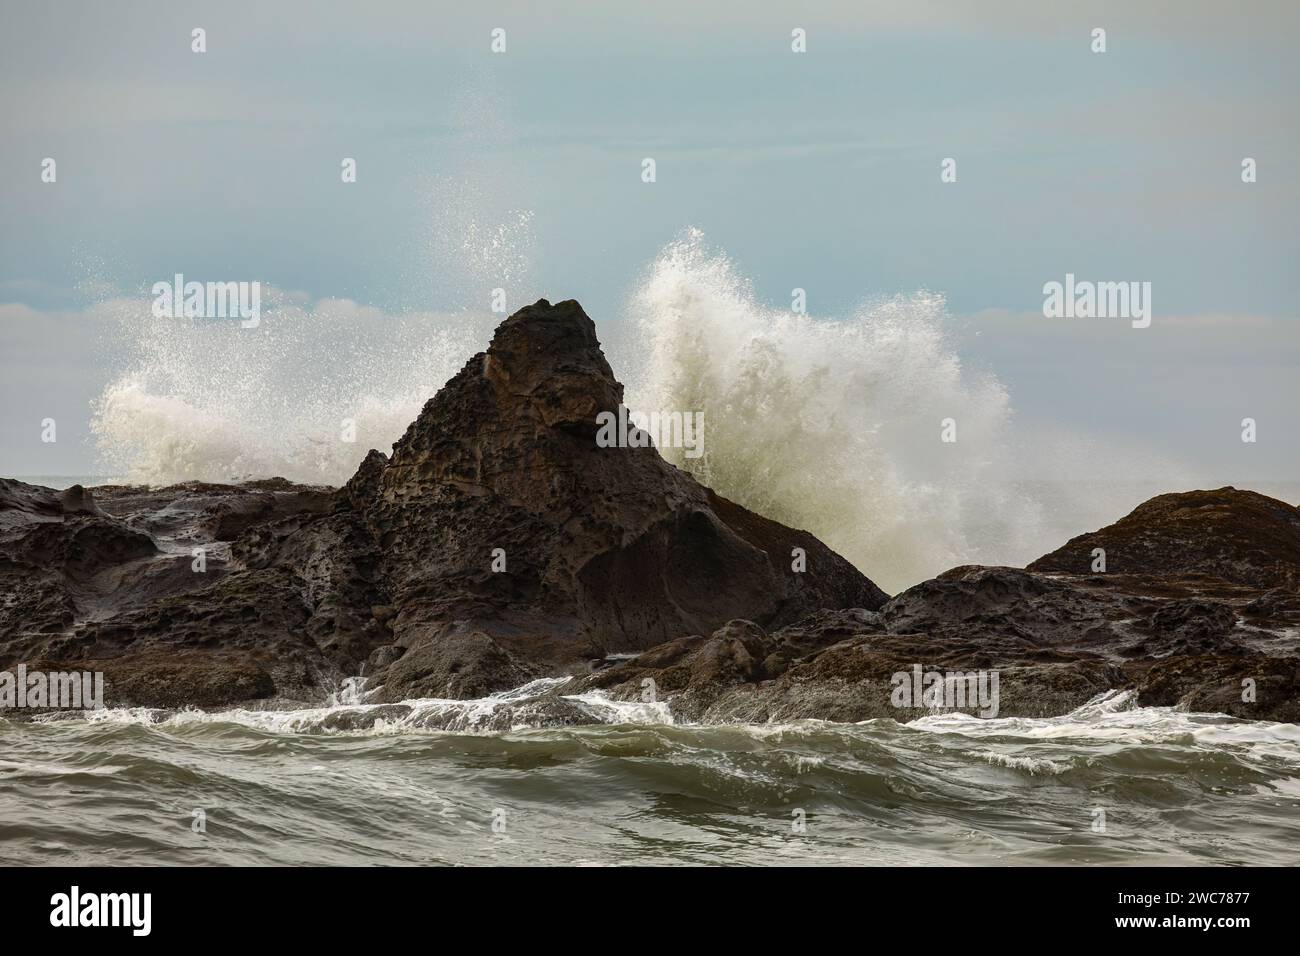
500,544
497,543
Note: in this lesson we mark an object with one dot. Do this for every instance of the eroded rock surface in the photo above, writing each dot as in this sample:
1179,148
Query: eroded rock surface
499,544
1238,536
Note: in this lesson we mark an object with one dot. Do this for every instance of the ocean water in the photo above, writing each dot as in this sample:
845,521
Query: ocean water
1110,783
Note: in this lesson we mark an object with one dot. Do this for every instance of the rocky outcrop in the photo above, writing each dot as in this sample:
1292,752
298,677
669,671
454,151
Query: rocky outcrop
58,553
833,667
139,584
1252,686
1204,630
456,664
1053,642
499,510
501,544
498,543
1238,536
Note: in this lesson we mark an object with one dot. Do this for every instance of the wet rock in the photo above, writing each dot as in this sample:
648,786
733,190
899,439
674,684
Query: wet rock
1189,627
499,544
185,680
453,663
1054,641
541,711
499,509
1239,536
1281,605
1006,606
1255,687
197,512
1194,620
855,681
361,718
335,566
713,681
538,712
58,552
20,501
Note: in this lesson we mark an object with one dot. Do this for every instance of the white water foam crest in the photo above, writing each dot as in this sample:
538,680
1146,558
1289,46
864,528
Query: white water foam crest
205,399
833,425
1115,716
1034,766
431,715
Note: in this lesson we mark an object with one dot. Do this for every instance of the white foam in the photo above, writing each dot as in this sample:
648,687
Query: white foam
1032,765
612,711
1115,716
347,715
832,425
208,400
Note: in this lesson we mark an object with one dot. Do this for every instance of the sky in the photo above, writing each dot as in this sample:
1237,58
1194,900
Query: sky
817,170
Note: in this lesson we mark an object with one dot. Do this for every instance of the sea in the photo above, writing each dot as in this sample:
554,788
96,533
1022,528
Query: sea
1110,784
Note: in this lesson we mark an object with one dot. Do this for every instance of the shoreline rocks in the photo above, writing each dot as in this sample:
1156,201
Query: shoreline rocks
499,544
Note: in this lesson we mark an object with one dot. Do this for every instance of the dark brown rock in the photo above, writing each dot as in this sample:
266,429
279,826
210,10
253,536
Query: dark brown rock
843,678
457,664
619,569
1238,536
604,549
1220,685
85,586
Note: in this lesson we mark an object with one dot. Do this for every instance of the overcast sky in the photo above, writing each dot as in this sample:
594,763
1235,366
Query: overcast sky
818,170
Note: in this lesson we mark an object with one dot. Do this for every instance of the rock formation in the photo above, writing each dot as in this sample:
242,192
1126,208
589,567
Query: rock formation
500,544
1199,609
1232,535
597,550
